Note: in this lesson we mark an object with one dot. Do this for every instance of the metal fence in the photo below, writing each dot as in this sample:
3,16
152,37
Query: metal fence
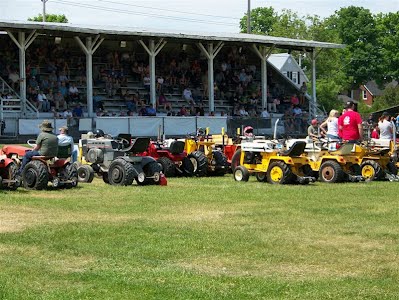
168,126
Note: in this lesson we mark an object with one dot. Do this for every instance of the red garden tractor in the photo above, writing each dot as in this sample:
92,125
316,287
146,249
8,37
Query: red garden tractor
8,173
171,156
42,169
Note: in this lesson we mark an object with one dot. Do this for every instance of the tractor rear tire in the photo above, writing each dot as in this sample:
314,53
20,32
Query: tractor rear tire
371,170
120,172
35,175
331,172
167,166
200,163
392,168
241,173
235,160
187,167
279,173
85,173
220,163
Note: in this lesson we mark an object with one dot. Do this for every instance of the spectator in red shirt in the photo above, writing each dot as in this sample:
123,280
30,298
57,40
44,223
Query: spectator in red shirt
374,133
350,124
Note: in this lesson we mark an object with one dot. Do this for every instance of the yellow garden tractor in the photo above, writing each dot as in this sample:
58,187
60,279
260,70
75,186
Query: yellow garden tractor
207,160
269,162
332,164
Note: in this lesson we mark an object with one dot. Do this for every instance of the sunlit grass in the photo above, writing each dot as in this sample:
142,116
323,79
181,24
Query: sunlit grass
201,238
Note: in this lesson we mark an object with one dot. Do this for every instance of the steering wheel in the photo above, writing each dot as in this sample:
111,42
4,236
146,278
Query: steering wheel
123,143
31,143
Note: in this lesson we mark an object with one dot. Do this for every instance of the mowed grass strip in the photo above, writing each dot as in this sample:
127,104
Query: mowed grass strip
201,238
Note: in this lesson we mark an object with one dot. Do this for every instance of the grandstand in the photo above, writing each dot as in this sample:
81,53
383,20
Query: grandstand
129,69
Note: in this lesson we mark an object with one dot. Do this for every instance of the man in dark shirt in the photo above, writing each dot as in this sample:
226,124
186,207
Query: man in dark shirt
46,144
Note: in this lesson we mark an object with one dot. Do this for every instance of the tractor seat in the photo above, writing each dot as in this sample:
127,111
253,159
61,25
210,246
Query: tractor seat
296,149
176,147
64,151
42,157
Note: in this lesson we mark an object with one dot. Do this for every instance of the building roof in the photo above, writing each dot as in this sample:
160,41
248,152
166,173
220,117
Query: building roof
278,60
126,31
375,90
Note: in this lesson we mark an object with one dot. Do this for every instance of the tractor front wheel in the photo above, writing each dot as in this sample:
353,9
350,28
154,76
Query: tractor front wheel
261,176
11,172
120,172
151,174
241,173
105,177
35,175
279,173
371,170
235,160
85,173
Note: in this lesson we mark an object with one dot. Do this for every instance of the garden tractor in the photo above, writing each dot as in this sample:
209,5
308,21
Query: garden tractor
205,159
330,161
43,169
378,158
116,160
269,162
8,173
171,156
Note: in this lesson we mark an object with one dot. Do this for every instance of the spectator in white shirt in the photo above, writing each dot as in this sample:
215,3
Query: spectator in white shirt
385,126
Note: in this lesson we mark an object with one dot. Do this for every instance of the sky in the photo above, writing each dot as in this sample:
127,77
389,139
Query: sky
180,15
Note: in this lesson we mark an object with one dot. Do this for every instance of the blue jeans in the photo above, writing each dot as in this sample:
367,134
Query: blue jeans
27,158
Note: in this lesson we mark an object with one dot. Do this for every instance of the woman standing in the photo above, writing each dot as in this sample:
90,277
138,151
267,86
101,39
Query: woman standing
330,125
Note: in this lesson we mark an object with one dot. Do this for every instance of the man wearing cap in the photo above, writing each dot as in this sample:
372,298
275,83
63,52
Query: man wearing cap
350,124
313,130
64,140
46,144
385,126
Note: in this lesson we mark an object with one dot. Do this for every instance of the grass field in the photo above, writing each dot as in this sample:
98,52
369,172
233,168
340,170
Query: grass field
201,238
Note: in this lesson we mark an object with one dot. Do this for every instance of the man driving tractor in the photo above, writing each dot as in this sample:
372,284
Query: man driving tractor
46,144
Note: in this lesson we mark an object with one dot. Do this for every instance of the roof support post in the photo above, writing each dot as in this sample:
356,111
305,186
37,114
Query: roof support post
153,51
263,53
313,103
89,48
23,44
210,54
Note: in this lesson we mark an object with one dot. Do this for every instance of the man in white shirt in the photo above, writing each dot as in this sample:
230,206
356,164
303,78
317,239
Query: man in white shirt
188,95
64,140
386,126
265,114
43,103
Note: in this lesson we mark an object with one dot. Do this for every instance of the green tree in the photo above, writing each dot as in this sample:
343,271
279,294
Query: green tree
388,39
50,18
262,20
357,29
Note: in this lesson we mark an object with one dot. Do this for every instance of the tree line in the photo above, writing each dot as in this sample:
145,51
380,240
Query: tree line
371,51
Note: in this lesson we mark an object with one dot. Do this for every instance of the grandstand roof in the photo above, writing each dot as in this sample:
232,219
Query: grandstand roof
125,31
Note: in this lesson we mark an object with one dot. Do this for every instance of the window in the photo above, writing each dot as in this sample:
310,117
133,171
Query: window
364,92
295,77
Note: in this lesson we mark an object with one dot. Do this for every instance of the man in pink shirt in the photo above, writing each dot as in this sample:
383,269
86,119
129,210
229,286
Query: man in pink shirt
350,124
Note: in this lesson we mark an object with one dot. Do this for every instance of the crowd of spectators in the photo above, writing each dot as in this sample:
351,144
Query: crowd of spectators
54,77
49,86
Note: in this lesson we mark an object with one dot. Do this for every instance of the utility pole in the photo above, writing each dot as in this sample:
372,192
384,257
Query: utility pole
249,17
44,10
